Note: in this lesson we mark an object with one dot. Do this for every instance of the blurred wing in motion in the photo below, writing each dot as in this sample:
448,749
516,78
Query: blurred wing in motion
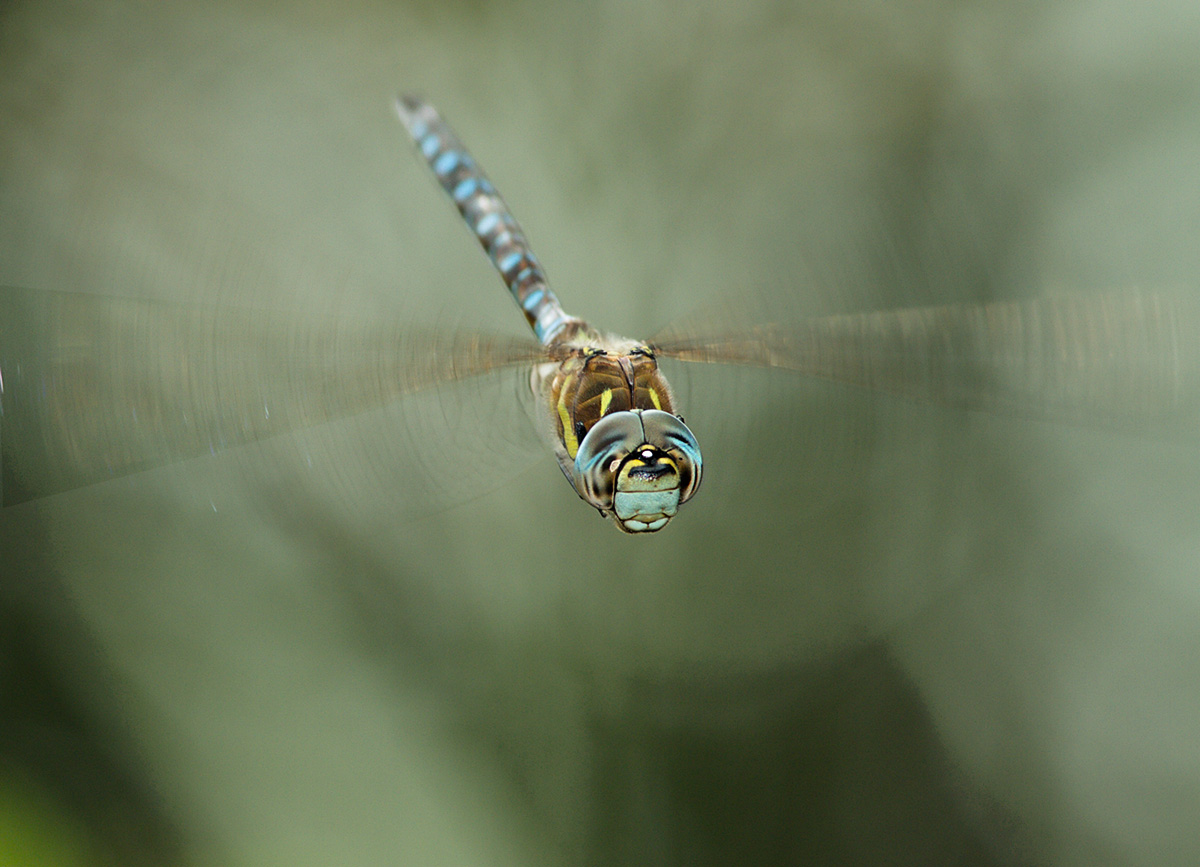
1129,362
95,387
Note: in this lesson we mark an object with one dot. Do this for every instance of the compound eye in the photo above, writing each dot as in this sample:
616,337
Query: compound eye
601,452
669,433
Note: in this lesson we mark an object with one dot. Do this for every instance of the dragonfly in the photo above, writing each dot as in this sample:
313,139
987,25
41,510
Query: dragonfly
96,387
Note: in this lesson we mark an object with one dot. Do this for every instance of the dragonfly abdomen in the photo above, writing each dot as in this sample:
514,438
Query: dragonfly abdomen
487,216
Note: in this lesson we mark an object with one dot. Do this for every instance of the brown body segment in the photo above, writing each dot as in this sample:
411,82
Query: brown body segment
592,383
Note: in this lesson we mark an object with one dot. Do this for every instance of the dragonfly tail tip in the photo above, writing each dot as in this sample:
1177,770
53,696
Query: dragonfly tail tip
408,107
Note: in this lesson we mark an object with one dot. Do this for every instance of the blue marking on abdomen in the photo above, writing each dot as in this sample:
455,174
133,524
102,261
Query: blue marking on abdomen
469,187
512,260
447,162
533,299
430,145
502,240
486,223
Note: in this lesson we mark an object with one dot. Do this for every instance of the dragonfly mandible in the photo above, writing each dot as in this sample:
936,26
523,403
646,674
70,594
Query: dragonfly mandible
95,387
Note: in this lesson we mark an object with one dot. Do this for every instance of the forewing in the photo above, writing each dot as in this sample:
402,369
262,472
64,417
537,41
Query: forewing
1127,361
98,387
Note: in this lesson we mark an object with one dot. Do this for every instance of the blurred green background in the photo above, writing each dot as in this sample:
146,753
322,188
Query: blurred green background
881,633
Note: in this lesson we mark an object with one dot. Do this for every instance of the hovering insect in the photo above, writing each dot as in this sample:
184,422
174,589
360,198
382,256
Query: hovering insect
94,387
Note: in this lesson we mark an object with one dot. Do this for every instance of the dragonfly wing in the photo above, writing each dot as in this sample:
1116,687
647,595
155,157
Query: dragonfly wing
94,387
1129,361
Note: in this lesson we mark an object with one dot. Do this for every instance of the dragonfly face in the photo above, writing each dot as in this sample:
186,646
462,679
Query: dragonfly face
639,466
617,437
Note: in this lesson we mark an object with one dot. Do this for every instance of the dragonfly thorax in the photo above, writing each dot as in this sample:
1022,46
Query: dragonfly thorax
617,437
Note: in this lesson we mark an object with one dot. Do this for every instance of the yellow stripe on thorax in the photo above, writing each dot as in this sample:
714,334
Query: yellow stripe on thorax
605,400
655,400
568,429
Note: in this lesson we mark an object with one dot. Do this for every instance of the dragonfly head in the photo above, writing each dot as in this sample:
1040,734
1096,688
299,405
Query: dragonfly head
639,466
